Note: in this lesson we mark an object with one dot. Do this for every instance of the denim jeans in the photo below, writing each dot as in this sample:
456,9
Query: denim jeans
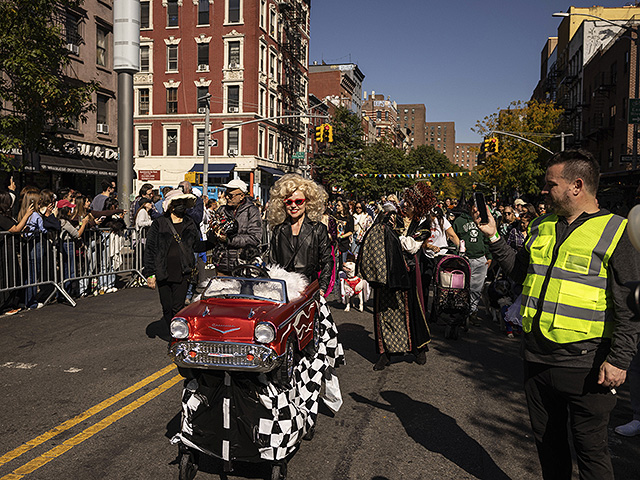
478,275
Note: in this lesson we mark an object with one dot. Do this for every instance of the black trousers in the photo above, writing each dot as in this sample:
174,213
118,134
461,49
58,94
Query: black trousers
557,395
172,297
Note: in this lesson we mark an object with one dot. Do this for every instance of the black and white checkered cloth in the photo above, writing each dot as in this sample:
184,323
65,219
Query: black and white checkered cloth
293,411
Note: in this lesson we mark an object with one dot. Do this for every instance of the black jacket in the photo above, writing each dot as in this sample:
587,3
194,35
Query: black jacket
312,255
249,234
159,240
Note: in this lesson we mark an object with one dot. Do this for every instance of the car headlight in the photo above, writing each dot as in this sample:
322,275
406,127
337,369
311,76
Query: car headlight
265,333
179,328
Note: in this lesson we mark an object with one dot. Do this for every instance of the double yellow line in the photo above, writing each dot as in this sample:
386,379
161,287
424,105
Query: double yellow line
65,446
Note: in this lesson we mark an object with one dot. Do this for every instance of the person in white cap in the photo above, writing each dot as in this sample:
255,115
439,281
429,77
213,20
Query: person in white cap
519,206
241,208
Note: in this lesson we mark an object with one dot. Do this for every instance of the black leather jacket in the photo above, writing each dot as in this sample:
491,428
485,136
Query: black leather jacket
312,255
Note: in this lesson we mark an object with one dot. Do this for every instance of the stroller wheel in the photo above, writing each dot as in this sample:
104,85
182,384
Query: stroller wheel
465,325
188,466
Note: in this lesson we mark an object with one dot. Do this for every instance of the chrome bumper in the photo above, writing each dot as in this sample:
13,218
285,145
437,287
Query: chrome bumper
238,357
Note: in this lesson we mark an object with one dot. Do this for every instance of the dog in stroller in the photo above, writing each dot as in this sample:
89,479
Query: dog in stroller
452,300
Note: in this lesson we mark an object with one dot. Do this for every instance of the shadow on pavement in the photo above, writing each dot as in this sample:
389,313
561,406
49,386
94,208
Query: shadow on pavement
358,339
438,433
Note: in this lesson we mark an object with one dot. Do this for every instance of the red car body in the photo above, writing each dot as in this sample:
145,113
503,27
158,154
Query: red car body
222,330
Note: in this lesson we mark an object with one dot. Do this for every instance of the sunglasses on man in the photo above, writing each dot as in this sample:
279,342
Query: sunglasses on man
299,201
231,195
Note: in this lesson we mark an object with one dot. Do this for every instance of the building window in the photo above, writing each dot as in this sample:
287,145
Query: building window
172,13
234,54
145,14
203,12
172,58
72,31
261,142
263,53
233,140
200,98
200,137
102,38
272,23
378,115
272,105
261,100
233,98
263,12
145,52
172,142
143,143
172,100
233,12
102,110
143,101
203,55
270,146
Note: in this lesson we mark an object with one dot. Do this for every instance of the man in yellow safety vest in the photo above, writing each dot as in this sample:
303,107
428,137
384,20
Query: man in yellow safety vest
580,330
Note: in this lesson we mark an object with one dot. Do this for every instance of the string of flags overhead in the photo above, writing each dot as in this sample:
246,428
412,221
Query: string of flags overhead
410,175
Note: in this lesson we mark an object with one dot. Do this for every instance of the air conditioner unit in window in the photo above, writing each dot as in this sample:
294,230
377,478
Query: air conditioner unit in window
143,153
203,67
73,48
102,128
202,110
233,152
234,65
234,109
271,156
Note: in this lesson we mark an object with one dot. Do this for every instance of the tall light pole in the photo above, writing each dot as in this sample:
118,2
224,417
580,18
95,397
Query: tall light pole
629,29
126,61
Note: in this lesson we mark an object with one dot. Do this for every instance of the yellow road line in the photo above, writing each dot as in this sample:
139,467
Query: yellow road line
15,453
67,445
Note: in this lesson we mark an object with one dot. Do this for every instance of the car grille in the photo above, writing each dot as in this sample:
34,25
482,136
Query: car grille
223,356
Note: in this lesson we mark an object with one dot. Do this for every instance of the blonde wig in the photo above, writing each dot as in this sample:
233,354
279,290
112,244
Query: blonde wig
316,198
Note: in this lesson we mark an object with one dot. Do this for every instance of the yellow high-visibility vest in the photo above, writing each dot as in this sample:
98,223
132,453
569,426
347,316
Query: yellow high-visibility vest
570,290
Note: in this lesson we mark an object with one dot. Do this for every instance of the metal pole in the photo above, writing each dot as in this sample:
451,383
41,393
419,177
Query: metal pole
125,140
205,162
562,141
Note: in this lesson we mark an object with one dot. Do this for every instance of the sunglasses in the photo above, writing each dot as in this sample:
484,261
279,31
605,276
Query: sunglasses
299,202
231,195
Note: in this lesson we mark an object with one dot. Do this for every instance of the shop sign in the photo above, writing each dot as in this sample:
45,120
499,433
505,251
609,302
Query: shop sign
148,175
72,148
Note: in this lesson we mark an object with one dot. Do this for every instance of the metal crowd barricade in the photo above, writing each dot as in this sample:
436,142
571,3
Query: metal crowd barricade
43,265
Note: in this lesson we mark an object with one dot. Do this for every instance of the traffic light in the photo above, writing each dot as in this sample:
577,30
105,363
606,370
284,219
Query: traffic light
320,133
328,132
493,145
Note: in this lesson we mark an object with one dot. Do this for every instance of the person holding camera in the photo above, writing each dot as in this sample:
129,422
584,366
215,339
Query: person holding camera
240,209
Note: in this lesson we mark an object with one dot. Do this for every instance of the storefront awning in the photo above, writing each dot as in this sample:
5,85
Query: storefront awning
86,166
273,171
215,169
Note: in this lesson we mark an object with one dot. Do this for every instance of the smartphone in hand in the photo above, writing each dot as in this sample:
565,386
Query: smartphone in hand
481,205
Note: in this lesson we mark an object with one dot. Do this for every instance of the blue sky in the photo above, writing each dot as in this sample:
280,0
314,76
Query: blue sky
464,60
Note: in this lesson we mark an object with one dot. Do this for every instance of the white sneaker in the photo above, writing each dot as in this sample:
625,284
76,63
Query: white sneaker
347,308
630,429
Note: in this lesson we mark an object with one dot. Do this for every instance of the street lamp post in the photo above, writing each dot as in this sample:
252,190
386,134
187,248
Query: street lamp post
629,29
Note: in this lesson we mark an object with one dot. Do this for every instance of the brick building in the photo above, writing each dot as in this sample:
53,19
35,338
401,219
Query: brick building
442,137
90,152
252,58
413,116
384,115
466,155
340,84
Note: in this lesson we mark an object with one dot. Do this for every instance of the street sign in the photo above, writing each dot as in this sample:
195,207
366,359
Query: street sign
212,143
634,111
298,155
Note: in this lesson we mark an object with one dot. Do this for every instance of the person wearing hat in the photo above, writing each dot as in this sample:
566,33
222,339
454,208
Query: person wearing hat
242,209
519,206
172,241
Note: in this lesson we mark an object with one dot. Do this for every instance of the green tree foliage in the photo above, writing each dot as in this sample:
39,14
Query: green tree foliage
520,165
381,158
37,95
335,163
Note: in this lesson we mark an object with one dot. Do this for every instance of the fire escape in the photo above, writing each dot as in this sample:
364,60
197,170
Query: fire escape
292,87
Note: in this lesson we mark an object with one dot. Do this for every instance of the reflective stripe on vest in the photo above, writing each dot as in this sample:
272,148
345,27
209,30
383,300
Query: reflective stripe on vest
576,305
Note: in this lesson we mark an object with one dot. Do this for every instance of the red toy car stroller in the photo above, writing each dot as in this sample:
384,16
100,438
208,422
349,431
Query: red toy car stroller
452,300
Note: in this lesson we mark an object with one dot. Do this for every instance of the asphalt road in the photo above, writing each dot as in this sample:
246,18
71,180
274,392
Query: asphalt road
87,394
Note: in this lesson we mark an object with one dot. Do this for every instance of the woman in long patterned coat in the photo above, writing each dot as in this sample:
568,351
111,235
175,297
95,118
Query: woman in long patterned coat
391,263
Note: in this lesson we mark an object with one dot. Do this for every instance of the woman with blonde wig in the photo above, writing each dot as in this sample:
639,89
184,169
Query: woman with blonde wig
300,242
